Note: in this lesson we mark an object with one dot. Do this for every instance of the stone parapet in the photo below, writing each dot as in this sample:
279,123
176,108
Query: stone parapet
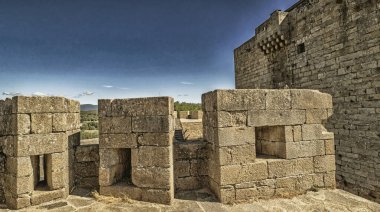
37,138
267,143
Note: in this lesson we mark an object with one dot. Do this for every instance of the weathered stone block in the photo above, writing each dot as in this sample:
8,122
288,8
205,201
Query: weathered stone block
189,150
330,180
283,168
258,118
227,194
158,196
305,149
115,125
278,100
233,155
148,156
41,123
316,116
187,183
318,180
231,119
324,163
111,157
183,114
286,182
192,131
276,148
46,196
7,125
256,193
330,147
137,107
155,139
6,106
297,133
182,168
233,100
104,107
23,124
196,114
112,141
18,185
152,177
72,106
309,99
198,167
122,190
304,183
243,173
39,104
209,101
22,201
39,144
19,166
315,132
87,153
233,136
153,124
110,175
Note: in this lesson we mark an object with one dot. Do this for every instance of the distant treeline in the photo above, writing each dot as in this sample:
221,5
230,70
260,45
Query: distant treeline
91,115
184,106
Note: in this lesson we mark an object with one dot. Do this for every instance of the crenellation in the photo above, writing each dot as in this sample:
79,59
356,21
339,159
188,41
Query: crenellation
135,148
274,144
36,168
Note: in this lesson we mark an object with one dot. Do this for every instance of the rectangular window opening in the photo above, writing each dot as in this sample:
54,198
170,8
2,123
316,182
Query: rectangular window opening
270,141
124,168
301,48
40,174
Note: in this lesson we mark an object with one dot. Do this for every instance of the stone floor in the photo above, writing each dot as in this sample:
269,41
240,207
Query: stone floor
323,200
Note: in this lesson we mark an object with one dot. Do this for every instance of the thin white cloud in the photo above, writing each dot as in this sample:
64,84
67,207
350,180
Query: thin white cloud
107,86
183,95
187,83
123,88
85,93
12,94
39,94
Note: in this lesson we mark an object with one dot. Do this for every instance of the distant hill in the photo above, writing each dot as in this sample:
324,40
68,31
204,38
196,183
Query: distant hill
87,107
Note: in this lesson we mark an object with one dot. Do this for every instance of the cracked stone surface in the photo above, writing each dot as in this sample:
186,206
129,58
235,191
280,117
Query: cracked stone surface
194,201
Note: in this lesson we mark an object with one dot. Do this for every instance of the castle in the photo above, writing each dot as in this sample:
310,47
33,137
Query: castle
265,139
334,47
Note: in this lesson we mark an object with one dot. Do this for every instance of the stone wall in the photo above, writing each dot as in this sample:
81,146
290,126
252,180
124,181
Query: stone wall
190,165
86,166
192,130
332,46
267,143
135,148
37,139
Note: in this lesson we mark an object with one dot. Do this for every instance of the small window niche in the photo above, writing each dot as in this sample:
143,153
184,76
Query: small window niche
40,175
301,48
270,141
123,170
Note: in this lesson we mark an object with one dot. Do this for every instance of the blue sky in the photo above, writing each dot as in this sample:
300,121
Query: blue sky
124,49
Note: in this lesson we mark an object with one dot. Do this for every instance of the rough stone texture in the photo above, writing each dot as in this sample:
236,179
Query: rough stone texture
196,114
86,166
332,46
192,130
135,148
34,144
183,114
260,144
190,165
201,200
